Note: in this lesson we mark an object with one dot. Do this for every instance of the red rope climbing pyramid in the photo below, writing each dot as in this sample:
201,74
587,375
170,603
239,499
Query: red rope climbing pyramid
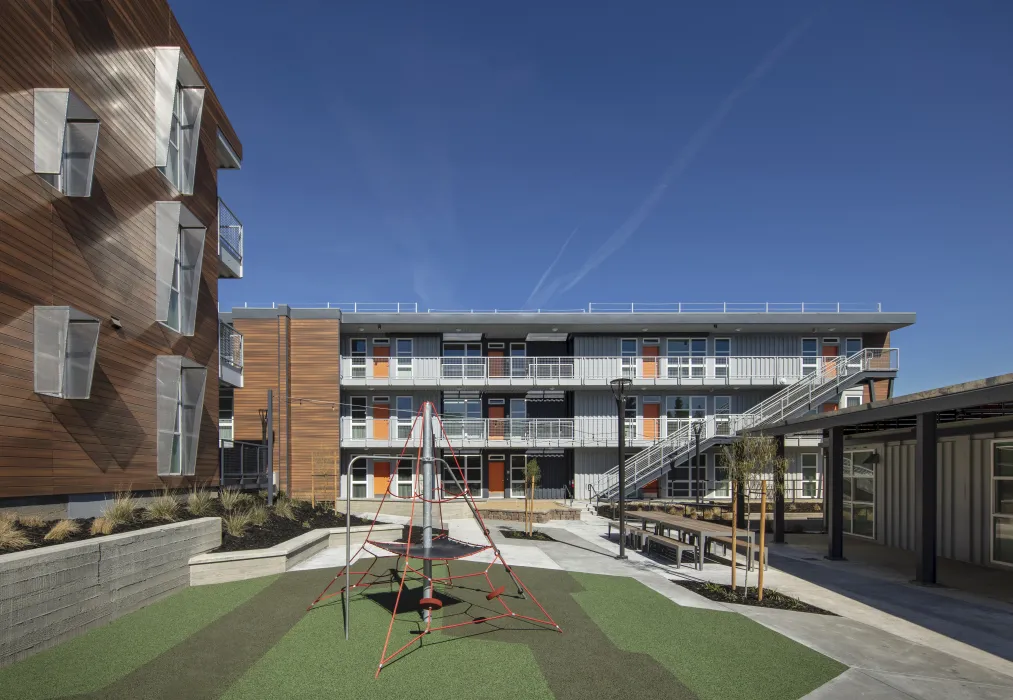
440,546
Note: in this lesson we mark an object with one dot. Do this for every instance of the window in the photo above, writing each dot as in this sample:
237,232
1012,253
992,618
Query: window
471,467
630,415
462,417
403,348
810,355
687,358
179,104
518,418
850,401
179,239
722,351
462,360
628,349
683,480
357,411
66,141
809,462
225,404
180,405
853,346
65,347
405,476
722,484
518,361
680,409
405,416
1002,502
722,415
860,492
357,349
360,476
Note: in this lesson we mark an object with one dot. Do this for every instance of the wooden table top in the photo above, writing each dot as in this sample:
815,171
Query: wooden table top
682,522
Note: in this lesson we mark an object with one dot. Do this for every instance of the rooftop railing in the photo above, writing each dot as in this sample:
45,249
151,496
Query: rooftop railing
721,307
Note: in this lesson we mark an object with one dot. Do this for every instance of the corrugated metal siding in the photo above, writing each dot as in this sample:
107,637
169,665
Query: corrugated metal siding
964,508
422,345
588,464
767,344
596,346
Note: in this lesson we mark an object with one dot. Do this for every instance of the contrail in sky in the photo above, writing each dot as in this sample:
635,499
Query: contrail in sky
559,255
682,161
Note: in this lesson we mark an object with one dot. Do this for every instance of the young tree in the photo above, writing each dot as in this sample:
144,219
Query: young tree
532,476
753,463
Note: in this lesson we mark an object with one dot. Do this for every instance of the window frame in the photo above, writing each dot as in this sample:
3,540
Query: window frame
814,481
995,446
404,362
358,357
810,362
849,488
629,360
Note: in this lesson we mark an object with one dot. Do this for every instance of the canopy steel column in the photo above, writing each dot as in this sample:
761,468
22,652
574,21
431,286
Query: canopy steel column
835,482
779,495
926,497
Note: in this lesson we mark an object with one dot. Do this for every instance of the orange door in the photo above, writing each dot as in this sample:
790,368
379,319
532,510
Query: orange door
829,406
652,421
650,490
830,360
381,478
381,361
497,364
651,361
497,470
496,423
381,421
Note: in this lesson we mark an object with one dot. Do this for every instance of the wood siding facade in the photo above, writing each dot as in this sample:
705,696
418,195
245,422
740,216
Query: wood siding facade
96,254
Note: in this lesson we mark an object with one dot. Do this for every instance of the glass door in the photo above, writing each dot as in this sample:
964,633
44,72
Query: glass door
629,357
404,358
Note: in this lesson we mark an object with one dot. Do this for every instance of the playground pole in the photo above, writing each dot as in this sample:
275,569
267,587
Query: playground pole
428,495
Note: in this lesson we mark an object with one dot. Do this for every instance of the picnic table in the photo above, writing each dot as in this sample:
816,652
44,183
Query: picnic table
697,533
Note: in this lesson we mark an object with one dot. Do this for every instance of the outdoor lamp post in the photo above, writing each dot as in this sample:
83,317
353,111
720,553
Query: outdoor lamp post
697,427
619,387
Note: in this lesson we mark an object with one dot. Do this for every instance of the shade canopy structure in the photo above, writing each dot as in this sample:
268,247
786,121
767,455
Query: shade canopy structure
429,542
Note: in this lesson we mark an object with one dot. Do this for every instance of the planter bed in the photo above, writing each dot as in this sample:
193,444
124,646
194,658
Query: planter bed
771,598
221,566
537,535
278,529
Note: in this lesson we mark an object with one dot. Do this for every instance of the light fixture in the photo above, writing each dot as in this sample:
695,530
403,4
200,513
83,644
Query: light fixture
554,330
361,330
738,330
831,329
115,322
644,330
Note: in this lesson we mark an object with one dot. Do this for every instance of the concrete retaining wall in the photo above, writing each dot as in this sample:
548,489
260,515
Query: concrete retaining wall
220,567
51,594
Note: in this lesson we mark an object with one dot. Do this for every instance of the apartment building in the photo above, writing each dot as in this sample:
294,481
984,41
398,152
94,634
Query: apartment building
112,242
349,380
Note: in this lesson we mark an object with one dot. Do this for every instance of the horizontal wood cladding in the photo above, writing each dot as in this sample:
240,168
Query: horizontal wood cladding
96,254
315,410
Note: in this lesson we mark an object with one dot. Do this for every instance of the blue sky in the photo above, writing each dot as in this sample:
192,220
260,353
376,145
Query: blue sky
786,150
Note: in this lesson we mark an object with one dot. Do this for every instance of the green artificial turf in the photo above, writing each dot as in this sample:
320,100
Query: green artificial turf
719,655
254,639
314,661
106,654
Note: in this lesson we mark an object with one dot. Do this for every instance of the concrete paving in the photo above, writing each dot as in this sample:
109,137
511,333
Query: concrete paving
899,640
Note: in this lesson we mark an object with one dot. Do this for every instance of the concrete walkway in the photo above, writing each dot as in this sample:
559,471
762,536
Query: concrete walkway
899,640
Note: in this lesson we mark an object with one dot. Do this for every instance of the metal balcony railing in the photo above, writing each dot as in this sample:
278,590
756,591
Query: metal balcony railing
721,307
230,231
830,376
230,346
662,371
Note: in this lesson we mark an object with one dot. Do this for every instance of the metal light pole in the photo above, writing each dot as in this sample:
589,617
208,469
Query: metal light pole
269,430
697,427
429,495
619,387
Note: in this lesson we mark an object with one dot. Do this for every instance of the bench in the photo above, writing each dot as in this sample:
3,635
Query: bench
729,543
632,531
670,543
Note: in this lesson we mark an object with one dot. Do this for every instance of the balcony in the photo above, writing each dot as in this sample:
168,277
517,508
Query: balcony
555,372
230,355
508,433
230,243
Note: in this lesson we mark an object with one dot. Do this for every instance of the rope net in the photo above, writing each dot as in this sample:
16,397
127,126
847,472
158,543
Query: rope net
411,546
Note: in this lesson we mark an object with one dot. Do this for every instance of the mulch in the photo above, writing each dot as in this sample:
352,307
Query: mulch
771,598
537,535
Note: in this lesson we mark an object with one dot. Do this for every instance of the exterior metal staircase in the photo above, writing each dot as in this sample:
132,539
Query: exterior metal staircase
829,379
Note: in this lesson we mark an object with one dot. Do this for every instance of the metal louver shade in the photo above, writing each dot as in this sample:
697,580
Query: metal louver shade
193,108
79,162
194,380
66,140
172,69
175,223
65,348
50,348
180,391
